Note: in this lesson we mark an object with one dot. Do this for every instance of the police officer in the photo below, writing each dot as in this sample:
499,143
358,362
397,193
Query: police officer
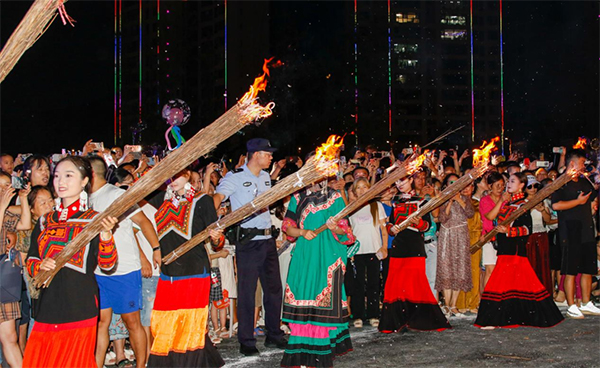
256,251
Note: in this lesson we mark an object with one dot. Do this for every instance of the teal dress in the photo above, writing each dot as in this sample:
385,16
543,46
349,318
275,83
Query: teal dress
315,303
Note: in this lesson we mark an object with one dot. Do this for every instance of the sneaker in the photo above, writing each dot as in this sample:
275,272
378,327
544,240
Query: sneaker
574,312
590,309
374,322
358,323
258,331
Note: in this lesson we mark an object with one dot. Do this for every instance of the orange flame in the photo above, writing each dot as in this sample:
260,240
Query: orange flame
252,109
326,154
482,156
259,85
415,164
581,143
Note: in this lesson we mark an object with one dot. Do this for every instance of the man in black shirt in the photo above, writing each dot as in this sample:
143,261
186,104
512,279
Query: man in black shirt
576,235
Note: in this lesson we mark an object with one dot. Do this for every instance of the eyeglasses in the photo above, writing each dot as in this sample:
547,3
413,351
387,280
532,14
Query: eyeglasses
536,186
452,182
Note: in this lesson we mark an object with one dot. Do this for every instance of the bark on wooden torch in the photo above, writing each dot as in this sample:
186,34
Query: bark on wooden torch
246,111
317,168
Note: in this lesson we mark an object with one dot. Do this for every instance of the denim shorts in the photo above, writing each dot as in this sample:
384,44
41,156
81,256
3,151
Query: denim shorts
148,296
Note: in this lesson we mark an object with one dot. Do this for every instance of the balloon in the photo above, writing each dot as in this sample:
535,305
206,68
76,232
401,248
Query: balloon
176,112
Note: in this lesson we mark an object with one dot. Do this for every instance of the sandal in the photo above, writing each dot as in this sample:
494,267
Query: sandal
125,363
222,333
358,323
455,312
111,358
258,331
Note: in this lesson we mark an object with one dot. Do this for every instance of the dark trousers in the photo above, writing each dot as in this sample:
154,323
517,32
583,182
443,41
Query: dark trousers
258,259
366,284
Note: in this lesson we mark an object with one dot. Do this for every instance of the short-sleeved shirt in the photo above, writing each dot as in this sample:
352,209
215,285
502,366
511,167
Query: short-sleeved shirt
486,204
127,248
365,231
241,186
579,214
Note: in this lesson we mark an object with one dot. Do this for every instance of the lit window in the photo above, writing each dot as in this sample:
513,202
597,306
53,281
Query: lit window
406,18
454,34
401,48
407,63
454,20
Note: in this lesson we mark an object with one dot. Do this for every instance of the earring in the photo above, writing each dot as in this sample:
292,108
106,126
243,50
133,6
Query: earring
83,201
190,192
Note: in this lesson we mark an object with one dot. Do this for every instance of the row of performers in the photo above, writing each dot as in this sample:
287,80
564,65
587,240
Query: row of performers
315,305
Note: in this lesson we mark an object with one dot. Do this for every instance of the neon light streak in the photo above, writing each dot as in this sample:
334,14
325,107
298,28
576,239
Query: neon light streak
472,81
140,65
501,81
115,79
120,69
356,71
157,53
225,92
389,72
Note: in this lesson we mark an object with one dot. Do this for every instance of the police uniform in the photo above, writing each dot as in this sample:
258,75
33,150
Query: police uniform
255,259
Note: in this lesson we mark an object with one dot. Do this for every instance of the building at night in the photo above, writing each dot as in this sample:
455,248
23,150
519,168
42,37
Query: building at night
420,70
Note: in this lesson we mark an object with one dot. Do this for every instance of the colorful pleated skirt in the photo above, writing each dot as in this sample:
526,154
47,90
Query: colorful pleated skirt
409,302
514,297
62,345
178,324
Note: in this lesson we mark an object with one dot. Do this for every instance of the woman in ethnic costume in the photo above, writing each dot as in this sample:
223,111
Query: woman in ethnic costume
315,303
66,312
514,296
180,314
408,301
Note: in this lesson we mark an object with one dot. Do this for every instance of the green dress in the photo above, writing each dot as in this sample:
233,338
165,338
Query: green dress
315,303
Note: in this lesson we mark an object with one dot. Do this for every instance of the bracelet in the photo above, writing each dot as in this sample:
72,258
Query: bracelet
155,249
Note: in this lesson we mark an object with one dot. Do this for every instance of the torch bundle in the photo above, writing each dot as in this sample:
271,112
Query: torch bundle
480,166
246,111
318,167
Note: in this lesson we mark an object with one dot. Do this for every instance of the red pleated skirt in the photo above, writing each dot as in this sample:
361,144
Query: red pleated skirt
515,297
409,302
62,345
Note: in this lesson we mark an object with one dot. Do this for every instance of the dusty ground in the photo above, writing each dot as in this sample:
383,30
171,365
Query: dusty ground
573,343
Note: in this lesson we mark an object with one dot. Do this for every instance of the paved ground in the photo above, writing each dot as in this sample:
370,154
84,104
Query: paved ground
573,343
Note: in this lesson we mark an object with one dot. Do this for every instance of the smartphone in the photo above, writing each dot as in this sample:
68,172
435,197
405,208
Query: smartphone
97,146
109,160
342,160
18,182
379,255
133,148
542,163
557,150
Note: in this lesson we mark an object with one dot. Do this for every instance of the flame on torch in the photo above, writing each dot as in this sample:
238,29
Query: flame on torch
416,163
481,156
326,154
581,143
250,107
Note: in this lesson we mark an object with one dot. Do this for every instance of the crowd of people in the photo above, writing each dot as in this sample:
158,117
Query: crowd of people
274,274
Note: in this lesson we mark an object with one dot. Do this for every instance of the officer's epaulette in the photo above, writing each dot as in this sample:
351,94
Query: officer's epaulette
239,170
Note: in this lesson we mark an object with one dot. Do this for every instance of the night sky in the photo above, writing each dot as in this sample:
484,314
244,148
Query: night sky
61,92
